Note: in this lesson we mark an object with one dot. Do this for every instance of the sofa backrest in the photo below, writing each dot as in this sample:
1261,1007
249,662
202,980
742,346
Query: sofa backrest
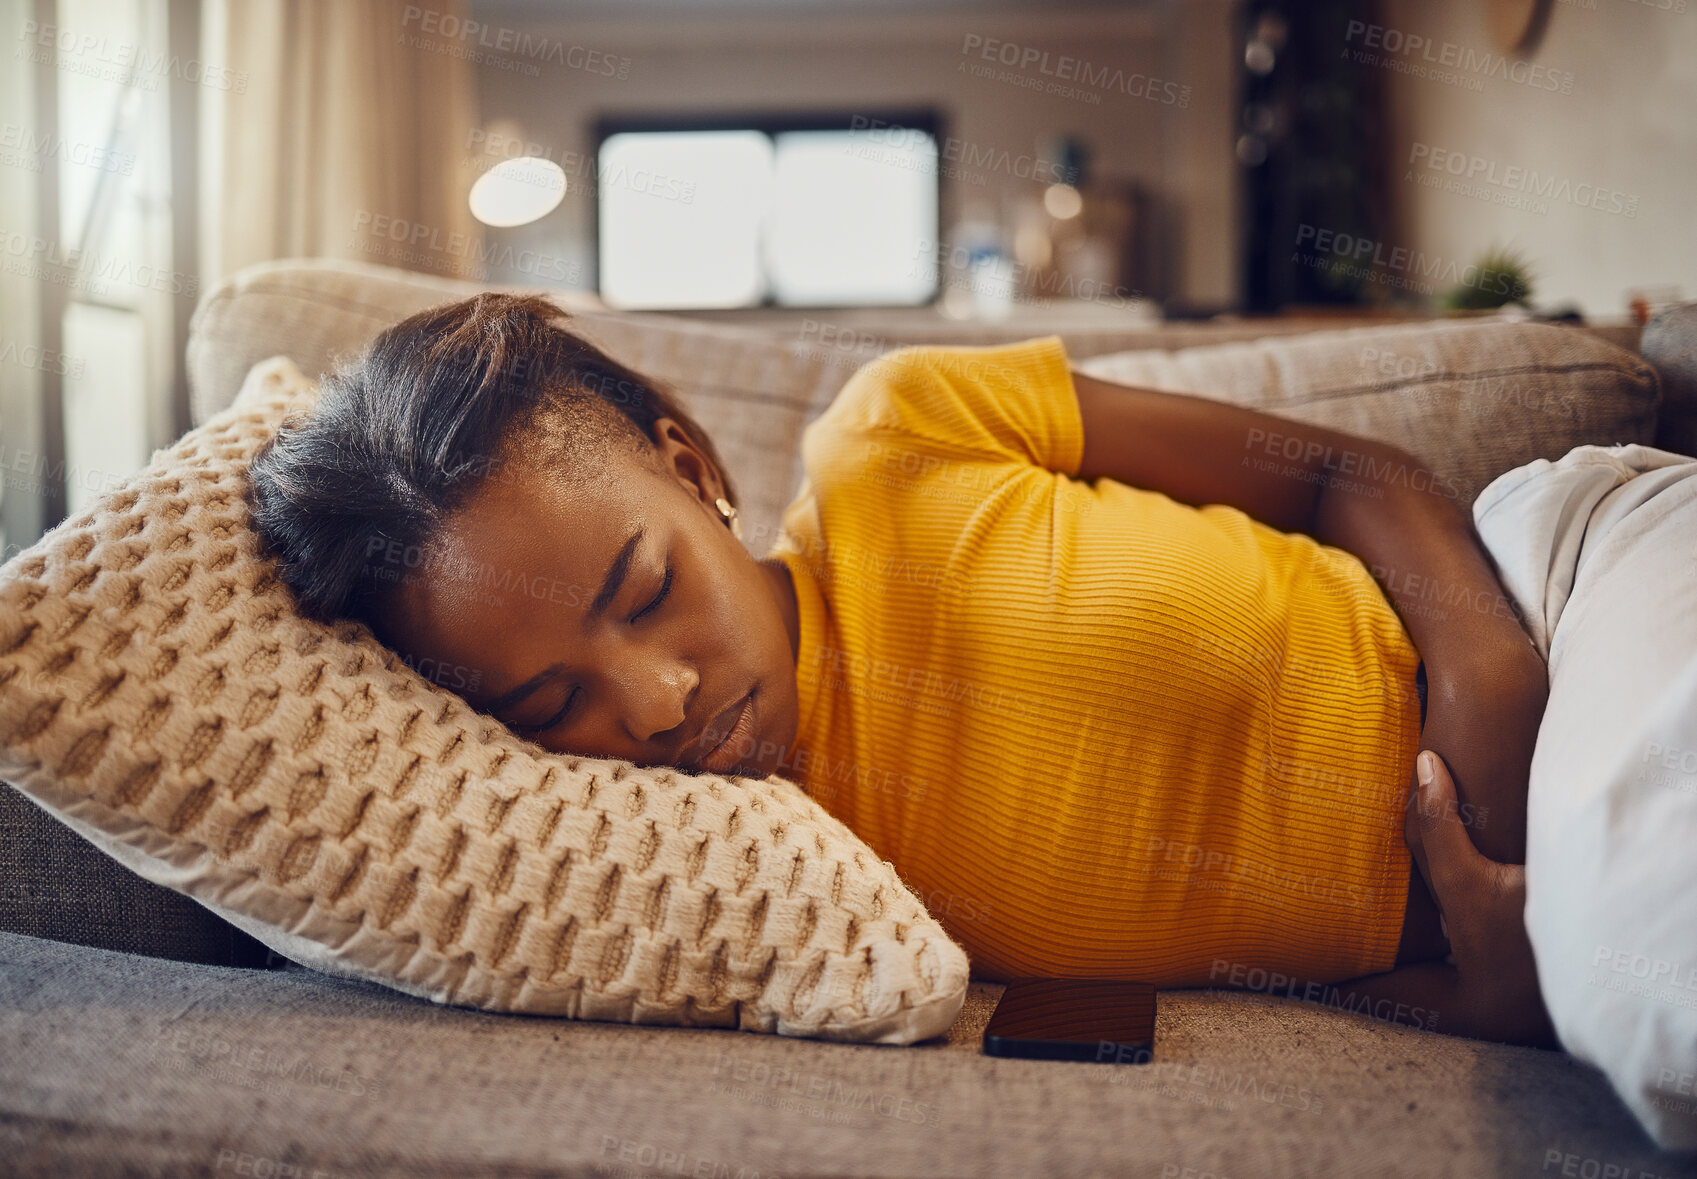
752,389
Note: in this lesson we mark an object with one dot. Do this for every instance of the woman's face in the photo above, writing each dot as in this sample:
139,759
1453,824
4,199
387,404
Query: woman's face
611,614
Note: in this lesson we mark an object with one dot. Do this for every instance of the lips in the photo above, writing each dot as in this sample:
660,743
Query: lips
735,725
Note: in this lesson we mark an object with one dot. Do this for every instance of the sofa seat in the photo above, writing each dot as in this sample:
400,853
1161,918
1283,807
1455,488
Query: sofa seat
121,1064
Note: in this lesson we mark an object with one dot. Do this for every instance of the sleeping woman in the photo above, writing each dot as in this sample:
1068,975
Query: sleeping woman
1124,683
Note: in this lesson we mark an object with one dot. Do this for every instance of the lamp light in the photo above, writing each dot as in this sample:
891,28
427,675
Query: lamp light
518,191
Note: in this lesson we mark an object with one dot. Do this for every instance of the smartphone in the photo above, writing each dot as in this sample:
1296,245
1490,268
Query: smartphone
1103,1020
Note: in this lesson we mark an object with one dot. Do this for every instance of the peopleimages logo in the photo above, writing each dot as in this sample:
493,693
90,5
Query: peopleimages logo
1064,68
36,147
1412,53
1211,868
1366,253
42,359
1659,970
485,44
417,241
30,472
971,156
582,165
49,261
1271,982
1470,168
99,56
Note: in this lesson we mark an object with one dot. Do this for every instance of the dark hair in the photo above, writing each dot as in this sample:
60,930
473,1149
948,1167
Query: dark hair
405,435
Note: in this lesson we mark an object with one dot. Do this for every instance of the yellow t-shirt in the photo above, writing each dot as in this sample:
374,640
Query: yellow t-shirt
1102,733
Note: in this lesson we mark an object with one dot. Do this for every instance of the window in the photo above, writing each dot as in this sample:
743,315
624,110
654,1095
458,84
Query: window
93,289
833,212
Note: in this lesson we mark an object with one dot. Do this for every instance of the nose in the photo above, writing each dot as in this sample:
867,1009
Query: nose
656,698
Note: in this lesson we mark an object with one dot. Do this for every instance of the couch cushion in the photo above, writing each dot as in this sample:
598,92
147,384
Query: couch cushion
55,885
1470,399
160,694
312,313
117,1065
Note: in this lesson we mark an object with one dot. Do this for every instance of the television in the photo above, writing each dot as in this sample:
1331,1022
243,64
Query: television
753,211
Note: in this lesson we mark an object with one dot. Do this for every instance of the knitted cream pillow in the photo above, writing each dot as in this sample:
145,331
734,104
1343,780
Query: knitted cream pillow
160,695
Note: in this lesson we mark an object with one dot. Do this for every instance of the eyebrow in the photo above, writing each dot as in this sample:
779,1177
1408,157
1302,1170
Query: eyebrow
610,586
524,689
615,578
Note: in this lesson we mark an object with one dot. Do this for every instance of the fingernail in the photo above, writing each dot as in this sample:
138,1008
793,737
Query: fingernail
1427,765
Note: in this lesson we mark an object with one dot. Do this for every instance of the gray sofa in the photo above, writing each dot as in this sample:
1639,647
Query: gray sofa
162,1044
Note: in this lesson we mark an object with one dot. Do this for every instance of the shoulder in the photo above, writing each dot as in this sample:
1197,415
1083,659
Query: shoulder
978,398
1003,403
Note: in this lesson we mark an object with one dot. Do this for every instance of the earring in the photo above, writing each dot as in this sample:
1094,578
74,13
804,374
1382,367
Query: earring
729,512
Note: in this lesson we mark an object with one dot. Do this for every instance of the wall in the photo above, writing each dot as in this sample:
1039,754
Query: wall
1628,128
786,58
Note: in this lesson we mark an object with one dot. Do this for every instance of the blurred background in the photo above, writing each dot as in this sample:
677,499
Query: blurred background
889,169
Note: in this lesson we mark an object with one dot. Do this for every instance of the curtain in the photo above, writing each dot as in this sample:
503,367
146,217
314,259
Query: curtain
343,131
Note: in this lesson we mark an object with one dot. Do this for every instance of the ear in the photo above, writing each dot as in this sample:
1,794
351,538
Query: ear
681,458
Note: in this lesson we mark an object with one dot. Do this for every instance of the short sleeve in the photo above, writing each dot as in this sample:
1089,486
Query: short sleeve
1011,401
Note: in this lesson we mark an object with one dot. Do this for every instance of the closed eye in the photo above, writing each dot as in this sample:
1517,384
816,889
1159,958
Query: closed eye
538,730
665,590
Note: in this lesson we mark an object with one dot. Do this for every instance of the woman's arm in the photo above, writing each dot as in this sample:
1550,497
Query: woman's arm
1486,682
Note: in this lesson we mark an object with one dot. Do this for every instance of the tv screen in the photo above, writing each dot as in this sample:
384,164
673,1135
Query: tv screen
840,215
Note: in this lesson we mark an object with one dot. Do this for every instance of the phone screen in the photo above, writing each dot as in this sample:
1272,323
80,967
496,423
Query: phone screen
1107,1021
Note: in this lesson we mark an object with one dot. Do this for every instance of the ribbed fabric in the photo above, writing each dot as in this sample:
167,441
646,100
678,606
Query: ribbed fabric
1101,732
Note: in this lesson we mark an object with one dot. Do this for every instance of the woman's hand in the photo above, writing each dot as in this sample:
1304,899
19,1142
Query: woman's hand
1482,719
1482,906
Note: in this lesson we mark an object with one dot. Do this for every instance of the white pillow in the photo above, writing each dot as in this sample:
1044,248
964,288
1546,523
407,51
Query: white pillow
1600,550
